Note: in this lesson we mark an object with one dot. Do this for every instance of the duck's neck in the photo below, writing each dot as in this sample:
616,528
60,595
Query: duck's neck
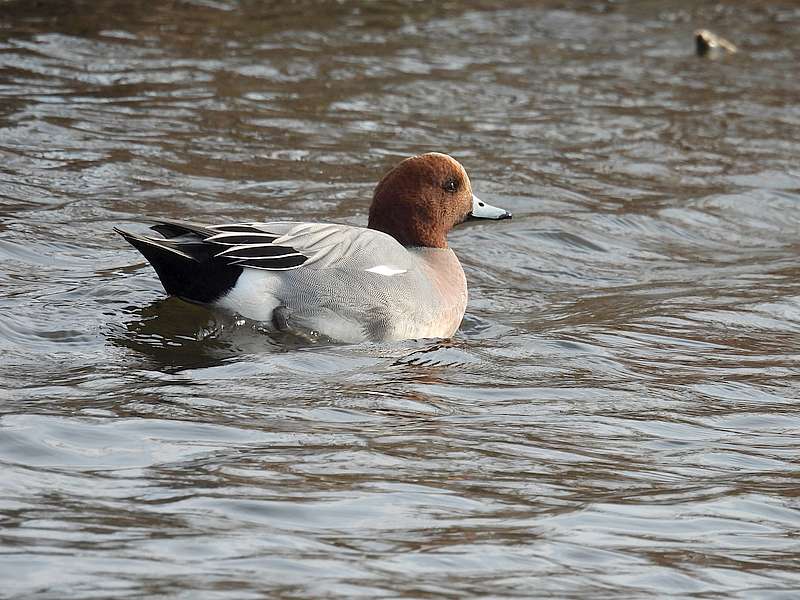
409,230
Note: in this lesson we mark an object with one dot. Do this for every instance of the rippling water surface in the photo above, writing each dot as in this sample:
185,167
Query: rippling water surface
619,415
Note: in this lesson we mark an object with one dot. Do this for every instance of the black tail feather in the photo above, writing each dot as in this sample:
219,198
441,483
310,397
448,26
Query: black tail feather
190,271
169,228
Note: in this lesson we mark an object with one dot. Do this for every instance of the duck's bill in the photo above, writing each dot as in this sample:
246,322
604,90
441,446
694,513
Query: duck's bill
481,210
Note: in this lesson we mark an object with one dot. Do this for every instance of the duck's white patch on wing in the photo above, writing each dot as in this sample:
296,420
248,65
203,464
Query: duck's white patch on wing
385,270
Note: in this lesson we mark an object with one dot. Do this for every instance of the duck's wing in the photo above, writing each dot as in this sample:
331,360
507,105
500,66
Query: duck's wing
313,245
236,244
274,246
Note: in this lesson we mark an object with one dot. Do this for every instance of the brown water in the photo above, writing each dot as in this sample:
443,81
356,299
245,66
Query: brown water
619,415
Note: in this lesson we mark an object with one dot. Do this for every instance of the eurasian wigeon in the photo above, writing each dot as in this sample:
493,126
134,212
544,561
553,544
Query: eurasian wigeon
710,44
396,279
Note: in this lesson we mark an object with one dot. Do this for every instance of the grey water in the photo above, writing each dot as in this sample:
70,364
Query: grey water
619,414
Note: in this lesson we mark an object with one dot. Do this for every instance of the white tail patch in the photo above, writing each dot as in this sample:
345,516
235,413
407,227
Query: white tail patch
385,270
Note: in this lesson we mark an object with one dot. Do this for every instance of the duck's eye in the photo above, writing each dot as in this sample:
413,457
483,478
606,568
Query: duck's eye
451,185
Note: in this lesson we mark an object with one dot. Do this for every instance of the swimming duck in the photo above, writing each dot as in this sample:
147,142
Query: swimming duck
395,279
710,44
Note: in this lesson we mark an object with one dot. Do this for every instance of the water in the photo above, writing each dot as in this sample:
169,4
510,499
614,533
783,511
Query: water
618,416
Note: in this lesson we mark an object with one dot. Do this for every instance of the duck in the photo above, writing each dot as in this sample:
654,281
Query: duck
707,43
394,279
